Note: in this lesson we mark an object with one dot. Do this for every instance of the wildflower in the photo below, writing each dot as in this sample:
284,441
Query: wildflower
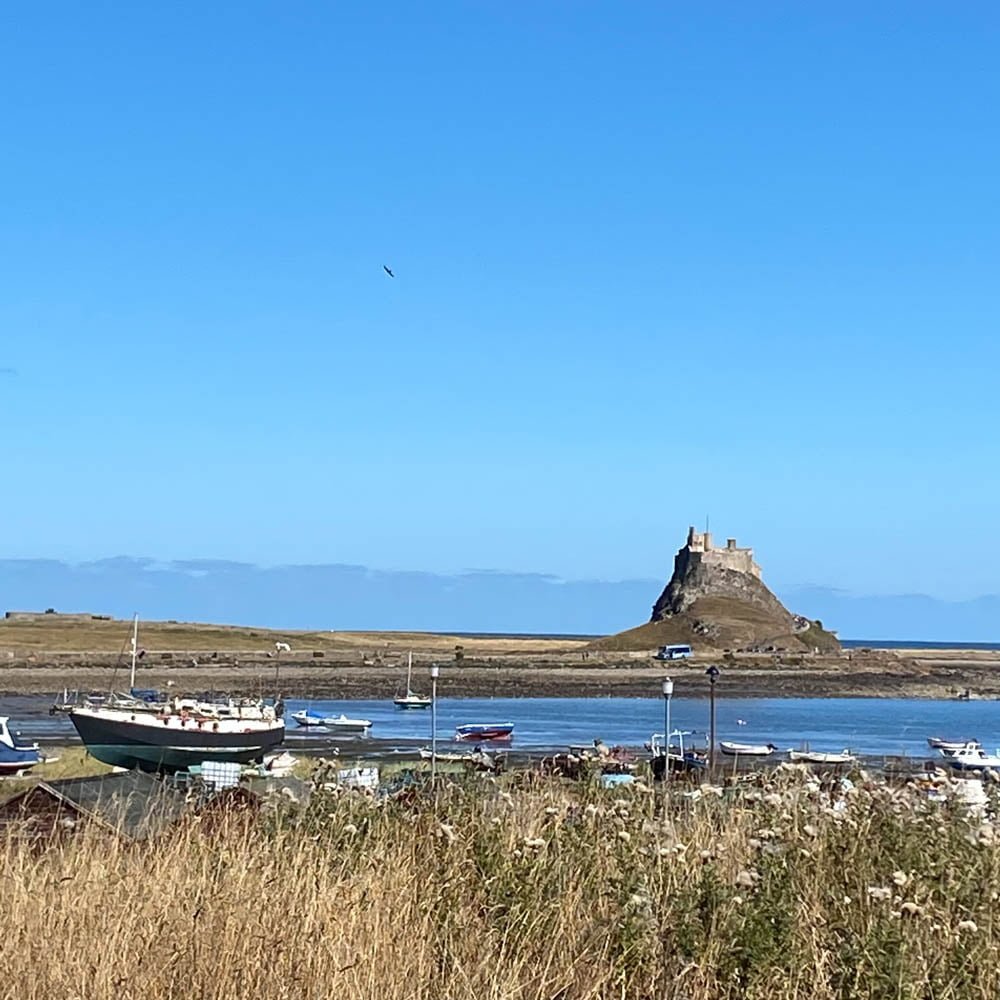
746,879
551,810
911,909
879,893
899,878
773,799
447,831
535,843
350,829
624,835
848,901
968,925
705,855
737,900
809,830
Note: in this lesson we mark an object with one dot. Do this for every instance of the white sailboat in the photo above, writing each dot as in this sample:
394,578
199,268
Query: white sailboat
411,699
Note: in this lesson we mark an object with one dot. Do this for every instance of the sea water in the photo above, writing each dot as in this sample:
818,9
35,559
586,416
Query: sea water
875,726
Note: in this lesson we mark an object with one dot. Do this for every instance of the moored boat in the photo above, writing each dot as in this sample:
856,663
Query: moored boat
746,749
342,724
411,699
16,757
485,731
307,719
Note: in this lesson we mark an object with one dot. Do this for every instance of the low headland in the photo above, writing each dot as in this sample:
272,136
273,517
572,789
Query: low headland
715,600
44,654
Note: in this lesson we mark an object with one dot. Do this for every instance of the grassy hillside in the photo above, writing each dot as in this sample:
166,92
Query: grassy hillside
69,633
733,624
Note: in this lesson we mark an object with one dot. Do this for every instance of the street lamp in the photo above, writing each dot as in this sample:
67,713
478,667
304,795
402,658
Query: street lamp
713,675
435,671
668,690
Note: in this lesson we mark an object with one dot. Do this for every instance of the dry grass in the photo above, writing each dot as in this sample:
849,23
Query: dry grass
538,892
54,633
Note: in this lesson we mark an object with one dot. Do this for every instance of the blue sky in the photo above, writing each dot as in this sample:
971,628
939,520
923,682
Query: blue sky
653,261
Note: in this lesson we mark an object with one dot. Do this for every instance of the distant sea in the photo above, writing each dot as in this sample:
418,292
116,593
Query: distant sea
846,643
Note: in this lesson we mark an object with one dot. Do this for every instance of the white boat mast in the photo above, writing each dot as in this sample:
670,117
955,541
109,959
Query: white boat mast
135,638
409,672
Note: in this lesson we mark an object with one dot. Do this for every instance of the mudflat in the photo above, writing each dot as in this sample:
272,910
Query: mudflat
48,653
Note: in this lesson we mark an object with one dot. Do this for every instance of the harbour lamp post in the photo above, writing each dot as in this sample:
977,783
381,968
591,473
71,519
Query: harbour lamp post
713,674
668,690
435,670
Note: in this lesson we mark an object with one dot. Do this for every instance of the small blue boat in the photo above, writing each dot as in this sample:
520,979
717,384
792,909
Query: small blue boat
485,731
14,756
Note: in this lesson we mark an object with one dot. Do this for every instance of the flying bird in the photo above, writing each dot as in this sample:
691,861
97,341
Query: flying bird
387,271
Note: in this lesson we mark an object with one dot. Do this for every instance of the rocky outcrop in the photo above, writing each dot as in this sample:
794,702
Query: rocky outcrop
702,570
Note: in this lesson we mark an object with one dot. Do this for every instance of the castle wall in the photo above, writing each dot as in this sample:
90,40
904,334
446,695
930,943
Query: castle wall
700,551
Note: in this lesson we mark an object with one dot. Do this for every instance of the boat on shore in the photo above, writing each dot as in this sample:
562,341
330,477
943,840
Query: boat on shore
485,731
950,746
411,699
971,757
16,757
731,749
173,741
820,757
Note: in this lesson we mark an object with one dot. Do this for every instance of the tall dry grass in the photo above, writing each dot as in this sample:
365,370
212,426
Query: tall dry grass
548,891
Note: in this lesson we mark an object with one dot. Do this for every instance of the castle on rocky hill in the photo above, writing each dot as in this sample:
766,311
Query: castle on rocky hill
700,550
704,570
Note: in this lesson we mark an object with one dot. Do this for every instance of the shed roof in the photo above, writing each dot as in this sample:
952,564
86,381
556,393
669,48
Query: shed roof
131,803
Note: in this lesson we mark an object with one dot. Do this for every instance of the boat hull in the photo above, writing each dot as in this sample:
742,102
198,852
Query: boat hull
490,731
14,765
807,757
134,745
746,750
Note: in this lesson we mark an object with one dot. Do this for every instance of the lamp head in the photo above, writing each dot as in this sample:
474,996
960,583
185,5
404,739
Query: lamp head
435,671
667,687
712,672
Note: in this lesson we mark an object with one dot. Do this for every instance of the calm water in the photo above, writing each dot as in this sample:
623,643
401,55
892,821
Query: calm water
867,725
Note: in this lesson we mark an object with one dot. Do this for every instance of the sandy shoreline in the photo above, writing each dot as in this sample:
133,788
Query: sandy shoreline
515,677
46,654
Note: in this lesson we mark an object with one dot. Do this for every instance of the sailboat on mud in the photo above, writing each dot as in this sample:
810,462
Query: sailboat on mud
141,730
411,699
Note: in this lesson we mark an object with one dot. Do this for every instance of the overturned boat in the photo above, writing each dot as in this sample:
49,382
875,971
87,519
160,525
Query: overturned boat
821,757
485,731
731,749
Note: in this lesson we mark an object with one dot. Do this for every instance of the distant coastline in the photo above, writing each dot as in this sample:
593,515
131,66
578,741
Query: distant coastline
846,643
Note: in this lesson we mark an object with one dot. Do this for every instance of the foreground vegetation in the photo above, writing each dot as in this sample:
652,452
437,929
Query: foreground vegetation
533,889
